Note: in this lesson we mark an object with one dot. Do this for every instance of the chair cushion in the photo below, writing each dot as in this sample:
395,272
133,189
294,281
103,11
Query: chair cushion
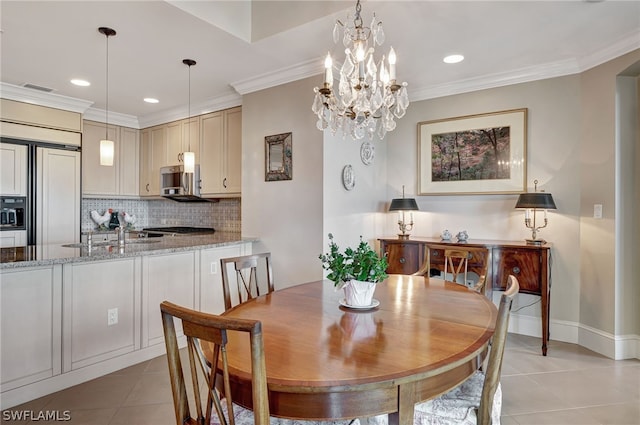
245,417
458,406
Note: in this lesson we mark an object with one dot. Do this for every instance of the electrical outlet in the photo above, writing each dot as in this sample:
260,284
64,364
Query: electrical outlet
112,316
214,268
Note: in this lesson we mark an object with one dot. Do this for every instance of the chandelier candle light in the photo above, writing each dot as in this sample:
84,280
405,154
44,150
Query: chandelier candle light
531,202
368,98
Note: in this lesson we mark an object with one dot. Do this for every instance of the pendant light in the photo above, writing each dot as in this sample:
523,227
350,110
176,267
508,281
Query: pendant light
107,146
189,157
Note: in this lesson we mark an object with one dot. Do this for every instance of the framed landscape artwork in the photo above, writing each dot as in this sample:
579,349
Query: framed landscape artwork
474,154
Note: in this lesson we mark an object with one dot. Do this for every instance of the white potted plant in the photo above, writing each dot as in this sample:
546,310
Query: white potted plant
356,271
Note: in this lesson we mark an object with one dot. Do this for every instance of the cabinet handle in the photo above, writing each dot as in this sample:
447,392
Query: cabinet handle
516,270
436,253
147,187
224,182
180,157
402,260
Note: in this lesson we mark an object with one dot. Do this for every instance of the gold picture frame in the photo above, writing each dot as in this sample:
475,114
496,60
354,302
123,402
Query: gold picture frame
473,154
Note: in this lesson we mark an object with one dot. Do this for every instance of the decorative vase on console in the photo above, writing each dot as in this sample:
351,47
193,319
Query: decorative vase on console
462,236
446,235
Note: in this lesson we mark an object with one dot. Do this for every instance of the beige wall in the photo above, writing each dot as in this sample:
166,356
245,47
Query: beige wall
571,152
598,186
285,215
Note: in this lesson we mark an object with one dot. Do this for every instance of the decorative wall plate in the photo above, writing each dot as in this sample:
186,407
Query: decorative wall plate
348,177
367,153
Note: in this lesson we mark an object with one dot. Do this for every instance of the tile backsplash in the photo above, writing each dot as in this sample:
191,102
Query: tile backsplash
222,216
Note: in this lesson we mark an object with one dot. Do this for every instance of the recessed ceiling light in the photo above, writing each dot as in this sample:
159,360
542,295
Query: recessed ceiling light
453,59
81,83
151,100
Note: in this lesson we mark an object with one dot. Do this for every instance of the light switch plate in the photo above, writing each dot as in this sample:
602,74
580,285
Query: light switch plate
597,211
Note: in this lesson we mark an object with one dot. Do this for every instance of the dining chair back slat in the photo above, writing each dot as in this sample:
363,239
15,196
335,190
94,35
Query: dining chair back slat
199,327
251,278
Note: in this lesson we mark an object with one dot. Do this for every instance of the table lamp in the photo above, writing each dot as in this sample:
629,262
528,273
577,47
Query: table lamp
532,202
402,205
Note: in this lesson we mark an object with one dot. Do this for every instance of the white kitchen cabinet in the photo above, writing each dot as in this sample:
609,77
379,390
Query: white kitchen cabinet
31,326
221,153
118,180
182,136
58,197
101,302
153,155
170,277
12,238
13,169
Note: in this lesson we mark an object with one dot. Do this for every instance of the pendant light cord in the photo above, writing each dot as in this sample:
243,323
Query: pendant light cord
189,109
106,123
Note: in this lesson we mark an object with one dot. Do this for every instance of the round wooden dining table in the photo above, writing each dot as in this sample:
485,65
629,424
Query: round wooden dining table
325,361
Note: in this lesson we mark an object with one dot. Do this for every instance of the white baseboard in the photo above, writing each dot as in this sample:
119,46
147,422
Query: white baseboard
617,347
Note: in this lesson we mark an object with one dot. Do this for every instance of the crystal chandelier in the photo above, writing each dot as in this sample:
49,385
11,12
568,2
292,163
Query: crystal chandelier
368,98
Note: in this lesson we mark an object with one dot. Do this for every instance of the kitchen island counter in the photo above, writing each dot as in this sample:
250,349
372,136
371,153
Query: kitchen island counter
43,255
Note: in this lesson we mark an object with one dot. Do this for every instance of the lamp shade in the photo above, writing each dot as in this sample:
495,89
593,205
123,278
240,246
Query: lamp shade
403,204
106,152
538,200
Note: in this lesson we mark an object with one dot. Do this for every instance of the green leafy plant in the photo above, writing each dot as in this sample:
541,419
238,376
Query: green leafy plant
362,263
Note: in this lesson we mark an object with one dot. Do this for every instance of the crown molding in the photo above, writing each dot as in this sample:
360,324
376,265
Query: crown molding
115,118
281,76
168,115
623,46
523,75
52,100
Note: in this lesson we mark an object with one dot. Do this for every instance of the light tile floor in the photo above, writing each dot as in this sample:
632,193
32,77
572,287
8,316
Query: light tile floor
571,385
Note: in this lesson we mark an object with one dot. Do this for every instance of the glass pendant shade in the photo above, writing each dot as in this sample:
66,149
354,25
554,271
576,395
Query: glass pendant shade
189,159
106,152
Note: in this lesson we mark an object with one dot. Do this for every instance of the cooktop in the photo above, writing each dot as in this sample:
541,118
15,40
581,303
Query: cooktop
180,229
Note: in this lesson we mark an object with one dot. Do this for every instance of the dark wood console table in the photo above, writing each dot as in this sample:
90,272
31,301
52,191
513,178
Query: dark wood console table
529,263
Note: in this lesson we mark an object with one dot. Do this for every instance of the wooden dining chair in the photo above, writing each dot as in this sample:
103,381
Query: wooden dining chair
456,261
251,279
198,327
478,400
214,409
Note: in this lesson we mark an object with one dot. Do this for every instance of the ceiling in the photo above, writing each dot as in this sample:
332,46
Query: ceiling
243,46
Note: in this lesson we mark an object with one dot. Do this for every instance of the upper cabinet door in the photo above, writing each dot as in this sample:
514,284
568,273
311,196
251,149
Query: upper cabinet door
233,151
129,161
13,169
99,179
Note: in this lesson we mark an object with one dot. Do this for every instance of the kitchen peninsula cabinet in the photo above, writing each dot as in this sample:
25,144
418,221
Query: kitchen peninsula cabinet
31,330
119,180
13,166
528,263
91,291
166,277
58,325
221,153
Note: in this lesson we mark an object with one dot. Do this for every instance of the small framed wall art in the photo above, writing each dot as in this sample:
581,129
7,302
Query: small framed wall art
278,157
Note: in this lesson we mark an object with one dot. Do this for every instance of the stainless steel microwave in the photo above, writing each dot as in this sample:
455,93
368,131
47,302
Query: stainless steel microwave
180,186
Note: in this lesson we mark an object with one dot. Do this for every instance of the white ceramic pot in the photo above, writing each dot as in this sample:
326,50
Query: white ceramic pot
358,293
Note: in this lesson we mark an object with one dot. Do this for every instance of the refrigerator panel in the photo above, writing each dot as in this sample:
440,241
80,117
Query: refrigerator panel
57,195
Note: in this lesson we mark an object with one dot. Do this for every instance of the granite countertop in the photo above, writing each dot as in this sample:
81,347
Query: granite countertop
42,255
